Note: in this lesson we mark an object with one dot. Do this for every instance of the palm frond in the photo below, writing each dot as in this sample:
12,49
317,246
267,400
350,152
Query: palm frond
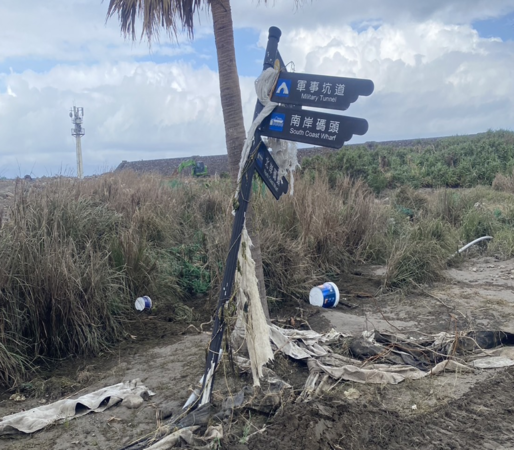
172,15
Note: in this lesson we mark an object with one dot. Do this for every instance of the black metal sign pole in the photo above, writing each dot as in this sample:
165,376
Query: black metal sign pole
213,355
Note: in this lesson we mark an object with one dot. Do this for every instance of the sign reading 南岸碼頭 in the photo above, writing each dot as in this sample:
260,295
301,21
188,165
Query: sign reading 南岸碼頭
312,127
319,90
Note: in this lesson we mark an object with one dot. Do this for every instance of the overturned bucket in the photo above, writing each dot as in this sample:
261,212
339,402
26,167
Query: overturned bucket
325,295
143,303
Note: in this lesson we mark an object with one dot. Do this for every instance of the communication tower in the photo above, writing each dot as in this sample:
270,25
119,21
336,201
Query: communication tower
77,115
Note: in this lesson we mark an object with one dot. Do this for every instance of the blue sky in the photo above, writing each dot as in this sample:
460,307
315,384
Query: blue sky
498,27
439,68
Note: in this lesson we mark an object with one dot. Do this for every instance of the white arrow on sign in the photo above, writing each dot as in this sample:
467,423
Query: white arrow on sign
282,89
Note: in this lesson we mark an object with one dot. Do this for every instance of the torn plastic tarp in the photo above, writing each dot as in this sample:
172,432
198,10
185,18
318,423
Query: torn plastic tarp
389,359
302,344
494,359
391,353
353,370
426,353
37,418
492,362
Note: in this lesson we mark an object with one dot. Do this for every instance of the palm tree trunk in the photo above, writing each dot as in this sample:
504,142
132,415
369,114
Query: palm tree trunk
233,116
229,83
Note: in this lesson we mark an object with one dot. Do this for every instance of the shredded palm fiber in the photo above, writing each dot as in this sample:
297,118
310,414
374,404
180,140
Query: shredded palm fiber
250,312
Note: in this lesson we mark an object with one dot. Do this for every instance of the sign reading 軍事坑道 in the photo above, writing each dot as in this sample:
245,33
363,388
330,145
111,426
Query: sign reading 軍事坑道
319,91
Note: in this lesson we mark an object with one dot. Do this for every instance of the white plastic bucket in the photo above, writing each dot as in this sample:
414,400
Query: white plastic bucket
143,303
325,295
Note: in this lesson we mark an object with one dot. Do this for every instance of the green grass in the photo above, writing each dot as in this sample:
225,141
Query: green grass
461,161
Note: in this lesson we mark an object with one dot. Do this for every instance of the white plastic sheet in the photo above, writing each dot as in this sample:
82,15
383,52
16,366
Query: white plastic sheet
38,418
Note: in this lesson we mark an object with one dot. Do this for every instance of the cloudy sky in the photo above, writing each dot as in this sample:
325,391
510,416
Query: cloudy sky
440,67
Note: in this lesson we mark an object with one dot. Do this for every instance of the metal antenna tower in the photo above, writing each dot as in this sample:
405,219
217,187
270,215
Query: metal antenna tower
77,114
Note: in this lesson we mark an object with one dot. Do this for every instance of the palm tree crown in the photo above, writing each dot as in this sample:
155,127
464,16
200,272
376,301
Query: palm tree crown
171,15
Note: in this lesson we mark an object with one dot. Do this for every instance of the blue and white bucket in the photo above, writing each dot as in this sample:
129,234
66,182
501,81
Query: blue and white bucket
143,303
325,295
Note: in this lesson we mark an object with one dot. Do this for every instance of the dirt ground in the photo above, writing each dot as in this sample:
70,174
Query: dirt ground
447,411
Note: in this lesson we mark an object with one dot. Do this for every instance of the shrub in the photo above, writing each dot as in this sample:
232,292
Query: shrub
420,255
478,222
504,183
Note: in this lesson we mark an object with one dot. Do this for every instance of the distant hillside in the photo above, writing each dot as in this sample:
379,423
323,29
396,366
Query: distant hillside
218,164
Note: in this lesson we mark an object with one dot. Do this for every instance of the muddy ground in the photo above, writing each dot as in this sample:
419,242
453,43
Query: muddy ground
448,411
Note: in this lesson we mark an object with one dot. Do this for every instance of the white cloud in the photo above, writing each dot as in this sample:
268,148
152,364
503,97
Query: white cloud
431,78
74,30
411,44
132,111
315,13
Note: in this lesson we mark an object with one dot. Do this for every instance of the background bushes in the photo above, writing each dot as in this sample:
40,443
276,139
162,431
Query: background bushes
461,161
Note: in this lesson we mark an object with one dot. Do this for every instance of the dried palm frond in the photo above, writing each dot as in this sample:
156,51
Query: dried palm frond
172,15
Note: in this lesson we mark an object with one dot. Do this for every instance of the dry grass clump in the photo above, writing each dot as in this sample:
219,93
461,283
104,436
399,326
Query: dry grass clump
425,229
504,183
502,244
77,253
477,212
410,200
58,293
479,222
318,232
448,206
421,254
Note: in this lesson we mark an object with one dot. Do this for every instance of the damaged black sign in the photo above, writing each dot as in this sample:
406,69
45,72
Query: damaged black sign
268,169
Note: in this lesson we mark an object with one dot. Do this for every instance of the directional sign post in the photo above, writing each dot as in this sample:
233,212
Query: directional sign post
260,160
290,123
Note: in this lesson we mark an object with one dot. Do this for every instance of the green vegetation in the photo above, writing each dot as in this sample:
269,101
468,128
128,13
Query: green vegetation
461,161
197,169
76,254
